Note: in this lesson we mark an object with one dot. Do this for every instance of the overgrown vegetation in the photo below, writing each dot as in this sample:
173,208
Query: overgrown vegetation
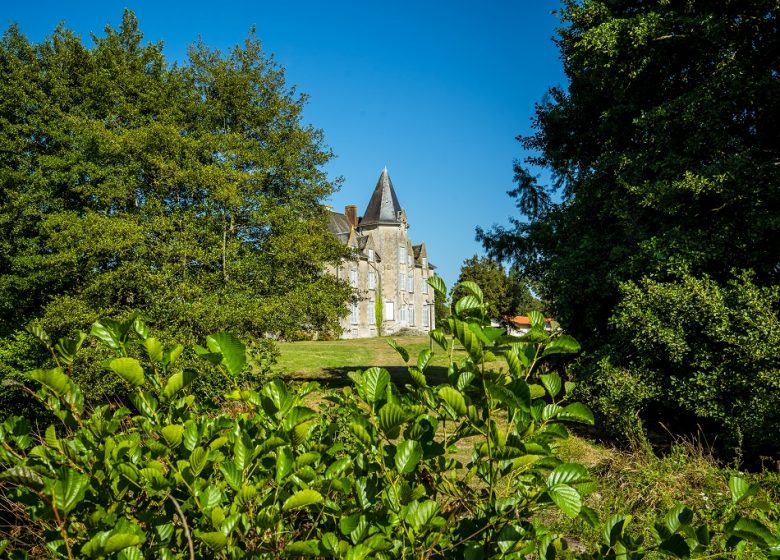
377,472
664,204
190,193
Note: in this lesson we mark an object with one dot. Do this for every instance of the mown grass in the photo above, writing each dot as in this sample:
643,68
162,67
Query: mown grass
329,361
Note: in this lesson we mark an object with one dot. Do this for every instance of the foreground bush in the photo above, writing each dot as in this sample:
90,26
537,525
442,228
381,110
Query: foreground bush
465,469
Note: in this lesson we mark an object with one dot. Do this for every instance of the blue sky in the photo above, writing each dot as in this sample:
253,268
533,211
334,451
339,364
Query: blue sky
434,90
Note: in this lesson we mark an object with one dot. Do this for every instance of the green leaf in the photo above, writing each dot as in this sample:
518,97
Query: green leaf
564,344
107,330
301,499
215,540
438,337
69,490
67,348
503,395
537,319
613,530
376,380
752,531
297,415
468,339
120,541
473,289
210,497
233,351
438,286
54,379
679,516
178,381
361,429
423,359
453,398
173,434
566,473
171,355
551,382
740,489
302,548
284,463
109,542
466,304
232,474
38,332
338,467
589,516
391,417
577,412
407,454
23,476
419,515
198,459
400,349
128,369
154,349
566,498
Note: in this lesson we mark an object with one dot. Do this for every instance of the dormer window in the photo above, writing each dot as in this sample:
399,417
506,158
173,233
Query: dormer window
424,262
370,255
402,254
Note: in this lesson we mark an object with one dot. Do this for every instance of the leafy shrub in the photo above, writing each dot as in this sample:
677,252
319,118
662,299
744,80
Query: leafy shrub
708,350
464,469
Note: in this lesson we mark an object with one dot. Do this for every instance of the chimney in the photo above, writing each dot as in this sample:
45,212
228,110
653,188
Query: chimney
350,211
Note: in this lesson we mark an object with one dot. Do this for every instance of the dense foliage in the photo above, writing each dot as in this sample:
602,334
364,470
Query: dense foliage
191,193
465,469
666,164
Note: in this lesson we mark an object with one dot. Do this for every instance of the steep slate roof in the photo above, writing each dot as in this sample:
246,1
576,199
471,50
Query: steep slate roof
338,223
383,208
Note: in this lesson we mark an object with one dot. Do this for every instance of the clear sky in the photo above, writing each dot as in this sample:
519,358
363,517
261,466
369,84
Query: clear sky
435,90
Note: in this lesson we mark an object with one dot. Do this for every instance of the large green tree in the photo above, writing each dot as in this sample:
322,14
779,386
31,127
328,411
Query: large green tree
666,167
191,193
507,293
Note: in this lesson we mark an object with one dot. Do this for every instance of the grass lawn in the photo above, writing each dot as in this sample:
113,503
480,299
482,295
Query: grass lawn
329,361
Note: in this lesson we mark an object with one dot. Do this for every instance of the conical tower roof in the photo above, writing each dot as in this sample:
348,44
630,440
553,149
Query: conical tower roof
383,208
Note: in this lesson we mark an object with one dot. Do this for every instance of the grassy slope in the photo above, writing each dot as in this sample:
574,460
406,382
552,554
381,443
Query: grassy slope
636,483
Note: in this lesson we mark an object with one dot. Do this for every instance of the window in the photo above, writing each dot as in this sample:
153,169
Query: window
424,285
424,262
425,317
370,255
410,282
402,254
409,260
402,281
411,314
353,278
389,311
371,280
403,313
354,313
371,313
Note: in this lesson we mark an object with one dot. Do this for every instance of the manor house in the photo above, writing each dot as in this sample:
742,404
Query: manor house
386,269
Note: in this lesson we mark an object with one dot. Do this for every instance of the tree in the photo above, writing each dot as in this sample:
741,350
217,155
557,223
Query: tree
508,293
191,193
665,163
491,277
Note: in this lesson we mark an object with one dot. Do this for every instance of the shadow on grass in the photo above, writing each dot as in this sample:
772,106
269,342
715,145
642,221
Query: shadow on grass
336,377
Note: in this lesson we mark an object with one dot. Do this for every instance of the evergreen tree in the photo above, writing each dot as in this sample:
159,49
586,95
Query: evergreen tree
667,172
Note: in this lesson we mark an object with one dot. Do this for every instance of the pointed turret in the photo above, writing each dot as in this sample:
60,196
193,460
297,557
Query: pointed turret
383,208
